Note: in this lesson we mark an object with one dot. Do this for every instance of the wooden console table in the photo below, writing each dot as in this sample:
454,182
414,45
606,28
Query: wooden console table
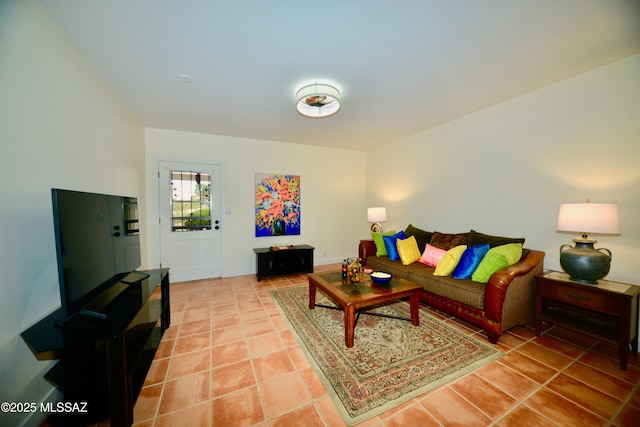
288,260
607,310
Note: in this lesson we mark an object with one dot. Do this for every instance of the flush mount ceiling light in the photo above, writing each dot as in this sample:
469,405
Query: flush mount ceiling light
317,100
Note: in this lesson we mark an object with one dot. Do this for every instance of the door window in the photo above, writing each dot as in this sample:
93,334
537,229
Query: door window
190,201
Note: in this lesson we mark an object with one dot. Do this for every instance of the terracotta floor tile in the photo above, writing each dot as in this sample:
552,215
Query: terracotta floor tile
307,416
450,409
611,366
225,320
574,337
414,415
157,372
284,394
264,344
587,397
147,403
227,354
230,378
242,408
194,416
628,417
299,359
192,343
527,366
525,416
545,355
560,346
506,379
188,364
224,309
258,328
492,401
272,365
600,380
314,385
227,334
562,411
184,392
196,314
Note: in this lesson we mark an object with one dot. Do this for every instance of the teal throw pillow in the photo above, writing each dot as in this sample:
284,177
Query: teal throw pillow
496,259
470,260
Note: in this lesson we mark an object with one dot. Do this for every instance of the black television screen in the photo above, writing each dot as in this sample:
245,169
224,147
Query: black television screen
97,244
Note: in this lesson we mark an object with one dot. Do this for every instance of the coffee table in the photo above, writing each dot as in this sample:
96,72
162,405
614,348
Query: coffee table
352,299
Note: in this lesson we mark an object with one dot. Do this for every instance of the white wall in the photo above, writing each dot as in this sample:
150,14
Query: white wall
60,126
332,181
506,170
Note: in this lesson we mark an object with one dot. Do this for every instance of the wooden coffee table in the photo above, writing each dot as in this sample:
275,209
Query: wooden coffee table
352,299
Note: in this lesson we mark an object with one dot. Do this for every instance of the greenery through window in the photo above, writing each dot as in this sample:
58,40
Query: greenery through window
190,201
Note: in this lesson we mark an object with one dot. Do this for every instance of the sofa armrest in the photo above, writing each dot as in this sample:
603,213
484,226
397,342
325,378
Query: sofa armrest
499,282
366,248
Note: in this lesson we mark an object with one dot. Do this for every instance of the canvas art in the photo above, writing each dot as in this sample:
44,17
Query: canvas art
277,209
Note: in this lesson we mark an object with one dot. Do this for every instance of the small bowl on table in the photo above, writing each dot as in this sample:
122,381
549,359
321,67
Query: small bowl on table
381,277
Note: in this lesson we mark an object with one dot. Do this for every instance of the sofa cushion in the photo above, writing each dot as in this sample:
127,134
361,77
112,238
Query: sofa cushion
448,241
408,250
390,245
449,261
381,249
422,237
476,238
496,259
431,255
470,260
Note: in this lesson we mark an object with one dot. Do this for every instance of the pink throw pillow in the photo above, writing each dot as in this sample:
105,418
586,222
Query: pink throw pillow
431,255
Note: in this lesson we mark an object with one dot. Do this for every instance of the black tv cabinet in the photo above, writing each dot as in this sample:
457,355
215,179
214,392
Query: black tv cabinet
104,362
276,261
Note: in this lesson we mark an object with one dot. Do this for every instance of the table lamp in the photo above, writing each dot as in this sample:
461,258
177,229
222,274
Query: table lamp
376,216
583,262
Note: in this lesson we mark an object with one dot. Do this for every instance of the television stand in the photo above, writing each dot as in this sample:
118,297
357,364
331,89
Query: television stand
104,362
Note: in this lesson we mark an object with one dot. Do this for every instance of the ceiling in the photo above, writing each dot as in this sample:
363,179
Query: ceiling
402,66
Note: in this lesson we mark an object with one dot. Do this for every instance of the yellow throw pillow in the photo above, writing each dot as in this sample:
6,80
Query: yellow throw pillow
449,261
408,250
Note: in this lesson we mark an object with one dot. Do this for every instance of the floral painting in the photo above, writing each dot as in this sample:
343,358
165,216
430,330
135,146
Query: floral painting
277,205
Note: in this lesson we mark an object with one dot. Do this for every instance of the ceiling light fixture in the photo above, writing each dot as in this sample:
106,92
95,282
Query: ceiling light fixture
317,100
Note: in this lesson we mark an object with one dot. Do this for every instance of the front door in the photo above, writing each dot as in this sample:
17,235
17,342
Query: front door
190,220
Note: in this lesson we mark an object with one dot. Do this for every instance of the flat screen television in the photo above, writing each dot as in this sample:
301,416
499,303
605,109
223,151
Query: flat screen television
97,246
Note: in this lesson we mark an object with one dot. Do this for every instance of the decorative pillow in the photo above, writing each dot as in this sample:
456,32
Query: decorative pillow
496,259
476,238
470,260
381,249
390,245
449,261
408,250
432,255
422,237
448,241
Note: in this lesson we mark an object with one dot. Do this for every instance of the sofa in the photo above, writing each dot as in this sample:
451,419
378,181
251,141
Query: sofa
506,299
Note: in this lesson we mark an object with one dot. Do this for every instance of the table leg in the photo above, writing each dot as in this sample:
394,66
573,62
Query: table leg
414,303
349,325
312,294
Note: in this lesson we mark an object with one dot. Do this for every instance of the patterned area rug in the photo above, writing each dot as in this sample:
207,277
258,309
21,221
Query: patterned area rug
391,362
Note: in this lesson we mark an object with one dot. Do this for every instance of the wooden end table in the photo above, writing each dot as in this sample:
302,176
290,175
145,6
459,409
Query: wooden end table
351,298
606,310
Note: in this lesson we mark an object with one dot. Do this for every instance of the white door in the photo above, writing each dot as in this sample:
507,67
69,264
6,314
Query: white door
190,220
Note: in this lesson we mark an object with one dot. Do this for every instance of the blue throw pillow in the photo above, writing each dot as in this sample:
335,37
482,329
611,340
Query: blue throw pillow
470,260
390,245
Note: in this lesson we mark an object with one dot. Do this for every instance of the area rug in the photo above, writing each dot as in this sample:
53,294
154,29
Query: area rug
391,362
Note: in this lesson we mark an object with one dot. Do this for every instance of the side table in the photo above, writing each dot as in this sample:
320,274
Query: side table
293,259
607,310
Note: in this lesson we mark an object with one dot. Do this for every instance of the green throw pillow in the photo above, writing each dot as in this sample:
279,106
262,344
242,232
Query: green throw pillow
381,250
495,260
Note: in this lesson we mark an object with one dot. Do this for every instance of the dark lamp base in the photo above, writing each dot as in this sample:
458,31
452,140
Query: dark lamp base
583,263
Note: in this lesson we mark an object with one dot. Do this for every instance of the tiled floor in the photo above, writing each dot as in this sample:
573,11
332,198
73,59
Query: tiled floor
229,360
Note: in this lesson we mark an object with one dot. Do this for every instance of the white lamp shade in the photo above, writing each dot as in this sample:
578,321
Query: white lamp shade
598,218
378,214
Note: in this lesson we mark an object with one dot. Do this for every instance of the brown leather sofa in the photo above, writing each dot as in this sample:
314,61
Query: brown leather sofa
507,300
